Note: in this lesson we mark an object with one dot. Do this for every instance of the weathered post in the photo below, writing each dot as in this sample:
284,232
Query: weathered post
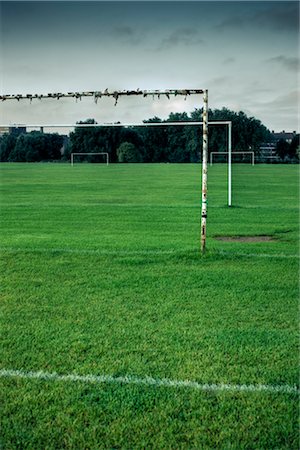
229,161
204,171
142,93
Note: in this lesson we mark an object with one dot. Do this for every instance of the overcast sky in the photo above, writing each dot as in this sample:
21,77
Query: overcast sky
245,53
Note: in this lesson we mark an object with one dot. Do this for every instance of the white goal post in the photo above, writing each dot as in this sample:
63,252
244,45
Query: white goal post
227,123
232,154
87,154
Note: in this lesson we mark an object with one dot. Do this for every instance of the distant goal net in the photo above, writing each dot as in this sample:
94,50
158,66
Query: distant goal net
99,157
236,157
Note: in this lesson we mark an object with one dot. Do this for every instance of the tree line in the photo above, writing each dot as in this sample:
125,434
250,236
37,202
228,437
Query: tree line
31,147
170,143
147,144
289,152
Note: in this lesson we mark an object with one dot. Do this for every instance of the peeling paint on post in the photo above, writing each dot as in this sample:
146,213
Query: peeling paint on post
204,171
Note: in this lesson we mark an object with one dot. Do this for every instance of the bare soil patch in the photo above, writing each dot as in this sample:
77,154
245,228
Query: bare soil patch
262,238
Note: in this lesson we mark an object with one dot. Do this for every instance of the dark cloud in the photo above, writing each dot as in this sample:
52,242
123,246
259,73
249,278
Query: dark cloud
182,36
283,102
124,31
220,80
228,61
231,23
288,62
128,34
279,17
283,16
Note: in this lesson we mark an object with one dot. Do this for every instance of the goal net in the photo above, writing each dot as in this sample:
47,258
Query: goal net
99,157
240,168
231,170
236,157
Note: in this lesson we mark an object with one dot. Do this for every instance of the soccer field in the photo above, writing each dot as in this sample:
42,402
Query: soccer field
117,333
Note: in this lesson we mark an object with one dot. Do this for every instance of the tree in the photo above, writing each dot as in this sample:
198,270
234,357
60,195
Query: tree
178,137
127,153
54,144
173,143
7,145
247,132
288,152
295,147
102,139
282,149
18,153
37,146
154,141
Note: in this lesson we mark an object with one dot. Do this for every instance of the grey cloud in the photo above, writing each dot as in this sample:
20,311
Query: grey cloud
283,102
228,61
232,22
257,87
124,31
281,17
128,34
182,36
287,62
220,80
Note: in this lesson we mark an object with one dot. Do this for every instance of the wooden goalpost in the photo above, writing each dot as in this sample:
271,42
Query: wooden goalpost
96,95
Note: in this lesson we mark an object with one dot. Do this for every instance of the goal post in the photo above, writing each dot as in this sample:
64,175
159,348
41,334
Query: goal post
116,95
89,154
225,123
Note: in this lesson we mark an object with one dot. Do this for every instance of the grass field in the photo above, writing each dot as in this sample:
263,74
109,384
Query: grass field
102,277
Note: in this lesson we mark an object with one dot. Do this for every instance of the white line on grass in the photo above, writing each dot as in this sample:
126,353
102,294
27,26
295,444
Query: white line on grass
139,252
149,381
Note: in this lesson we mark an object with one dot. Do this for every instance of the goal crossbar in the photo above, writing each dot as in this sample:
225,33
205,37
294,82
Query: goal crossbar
117,124
89,153
106,93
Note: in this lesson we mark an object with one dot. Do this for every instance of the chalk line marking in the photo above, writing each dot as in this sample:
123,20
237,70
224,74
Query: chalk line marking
140,252
149,381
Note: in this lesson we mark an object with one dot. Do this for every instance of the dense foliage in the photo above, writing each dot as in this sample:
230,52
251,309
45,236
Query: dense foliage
172,143
288,152
31,147
128,153
148,144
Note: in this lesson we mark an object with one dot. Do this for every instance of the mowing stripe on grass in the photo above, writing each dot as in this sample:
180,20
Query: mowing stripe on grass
140,252
258,255
149,381
89,251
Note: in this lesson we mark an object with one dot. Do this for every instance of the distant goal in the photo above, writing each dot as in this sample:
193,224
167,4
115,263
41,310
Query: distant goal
80,155
251,154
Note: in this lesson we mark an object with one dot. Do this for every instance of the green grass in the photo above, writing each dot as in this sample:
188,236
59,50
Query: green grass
101,274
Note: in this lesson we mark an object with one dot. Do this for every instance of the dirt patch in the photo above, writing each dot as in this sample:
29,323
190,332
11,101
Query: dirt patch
262,238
